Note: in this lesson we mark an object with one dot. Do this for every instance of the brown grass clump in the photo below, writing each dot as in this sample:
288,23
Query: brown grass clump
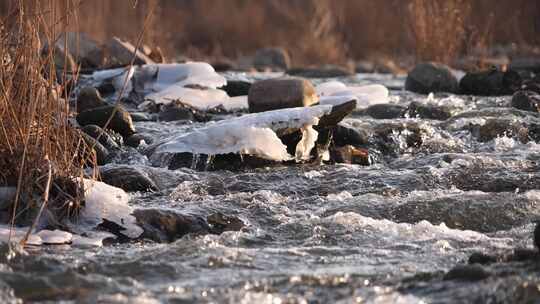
438,28
37,142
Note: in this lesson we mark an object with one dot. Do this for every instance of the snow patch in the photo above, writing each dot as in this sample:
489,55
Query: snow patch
335,92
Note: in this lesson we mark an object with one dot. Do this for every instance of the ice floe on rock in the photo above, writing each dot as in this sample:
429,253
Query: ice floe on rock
253,134
335,92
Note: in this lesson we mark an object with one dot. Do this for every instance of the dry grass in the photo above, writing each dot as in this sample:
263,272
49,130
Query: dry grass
35,132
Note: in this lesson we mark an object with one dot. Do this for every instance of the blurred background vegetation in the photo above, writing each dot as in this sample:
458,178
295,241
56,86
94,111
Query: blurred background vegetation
317,31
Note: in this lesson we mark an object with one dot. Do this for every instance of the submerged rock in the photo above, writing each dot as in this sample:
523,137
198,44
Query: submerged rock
430,77
163,226
102,136
490,83
121,121
280,93
419,110
128,178
467,273
271,58
384,111
526,101
89,98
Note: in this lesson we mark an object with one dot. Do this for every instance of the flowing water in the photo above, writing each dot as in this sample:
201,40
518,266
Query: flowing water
384,233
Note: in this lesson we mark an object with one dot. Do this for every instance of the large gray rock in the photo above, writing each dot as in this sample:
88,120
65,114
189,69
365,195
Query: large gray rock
526,100
120,53
128,178
430,77
273,94
83,49
89,98
162,225
490,83
121,121
271,58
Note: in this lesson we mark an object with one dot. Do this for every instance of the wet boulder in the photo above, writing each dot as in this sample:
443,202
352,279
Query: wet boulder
495,127
271,58
89,98
384,111
346,135
526,101
467,273
102,136
102,154
280,93
329,71
220,223
128,178
492,82
426,111
173,112
81,48
162,226
136,139
121,53
350,155
237,88
430,77
121,120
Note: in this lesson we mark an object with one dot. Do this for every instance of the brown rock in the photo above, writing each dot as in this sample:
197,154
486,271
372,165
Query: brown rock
121,53
273,94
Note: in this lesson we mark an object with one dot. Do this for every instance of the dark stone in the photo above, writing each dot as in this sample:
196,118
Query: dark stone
419,110
271,58
176,111
163,226
223,65
104,138
135,140
237,88
467,273
320,72
482,258
220,223
490,83
526,100
106,88
128,178
102,154
494,128
384,111
89,98
280,93
536,235
344,135
230,161
350,155
121,53
430,77
121,121
524,254
337,114
141,116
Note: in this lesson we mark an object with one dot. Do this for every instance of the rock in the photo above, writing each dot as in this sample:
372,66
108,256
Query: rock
536,235
230,162
162,225
526,100
384,111
223,65
102,154
176,111
128,178
482,258
220,223
344,135
104,138
337,114
237,88
350,155
494,128
121,121
424,111
63,61
141,116
83,49
136,139
490,83
280,93
531,64
430,77
467,273
524,254
89,98
320,72
271,58
120,53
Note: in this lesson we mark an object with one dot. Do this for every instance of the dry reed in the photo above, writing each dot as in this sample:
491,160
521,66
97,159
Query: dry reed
35,131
